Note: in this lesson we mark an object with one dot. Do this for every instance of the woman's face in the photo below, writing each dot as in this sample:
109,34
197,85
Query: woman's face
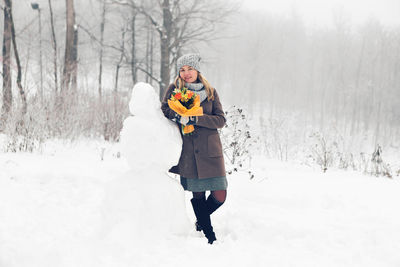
188,74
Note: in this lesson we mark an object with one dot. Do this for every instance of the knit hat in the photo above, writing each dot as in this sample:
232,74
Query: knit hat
192,60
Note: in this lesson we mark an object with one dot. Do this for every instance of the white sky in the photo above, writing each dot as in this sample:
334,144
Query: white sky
320,12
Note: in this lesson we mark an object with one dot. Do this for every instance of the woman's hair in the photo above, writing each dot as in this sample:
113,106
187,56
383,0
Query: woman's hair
179,83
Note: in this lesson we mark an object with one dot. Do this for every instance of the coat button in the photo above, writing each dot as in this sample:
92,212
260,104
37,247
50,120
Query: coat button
196,151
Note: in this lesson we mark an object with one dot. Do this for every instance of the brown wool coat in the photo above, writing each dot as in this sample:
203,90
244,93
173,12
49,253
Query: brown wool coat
201,155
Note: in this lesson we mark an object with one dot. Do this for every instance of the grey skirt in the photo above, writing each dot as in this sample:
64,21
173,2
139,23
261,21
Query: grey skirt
205,184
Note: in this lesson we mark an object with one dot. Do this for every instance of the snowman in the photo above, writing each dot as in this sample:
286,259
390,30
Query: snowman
147,204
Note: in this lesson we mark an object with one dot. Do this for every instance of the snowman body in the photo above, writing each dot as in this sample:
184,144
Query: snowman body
146,202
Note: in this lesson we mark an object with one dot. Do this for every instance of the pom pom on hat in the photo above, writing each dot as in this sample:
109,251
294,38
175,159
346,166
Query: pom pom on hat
192,60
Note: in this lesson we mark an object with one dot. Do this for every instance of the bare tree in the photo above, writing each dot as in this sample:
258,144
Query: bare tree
71,42
165,40
133,48
74,56
121,58
54,44
149,53
179,24
35,6
7,85
184,24
19,74
102,25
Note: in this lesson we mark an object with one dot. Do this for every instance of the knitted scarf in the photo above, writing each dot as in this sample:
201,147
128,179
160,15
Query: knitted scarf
198,88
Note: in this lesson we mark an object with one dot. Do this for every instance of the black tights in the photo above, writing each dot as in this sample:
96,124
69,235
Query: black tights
218,195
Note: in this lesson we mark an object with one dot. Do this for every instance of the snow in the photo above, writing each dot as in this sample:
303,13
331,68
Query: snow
81,204
52,208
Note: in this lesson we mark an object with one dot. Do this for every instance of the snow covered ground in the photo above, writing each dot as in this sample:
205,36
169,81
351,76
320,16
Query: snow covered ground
53,207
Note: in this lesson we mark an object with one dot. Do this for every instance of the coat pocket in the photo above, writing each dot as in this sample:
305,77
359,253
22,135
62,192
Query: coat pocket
214,146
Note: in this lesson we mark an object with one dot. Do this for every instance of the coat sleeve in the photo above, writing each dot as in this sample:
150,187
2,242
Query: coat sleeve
216,119
169,113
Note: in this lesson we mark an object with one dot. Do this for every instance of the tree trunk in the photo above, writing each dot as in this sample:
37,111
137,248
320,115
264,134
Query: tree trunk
19,75
149,55
54,44
27,60
69,46
40,55
7,85
116,77
102,25
74,73
119,62
165,49
133,60
147,58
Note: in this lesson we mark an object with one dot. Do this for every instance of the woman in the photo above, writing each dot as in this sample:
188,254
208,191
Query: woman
201,165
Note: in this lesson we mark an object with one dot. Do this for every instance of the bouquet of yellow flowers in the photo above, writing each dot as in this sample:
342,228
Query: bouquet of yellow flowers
185,103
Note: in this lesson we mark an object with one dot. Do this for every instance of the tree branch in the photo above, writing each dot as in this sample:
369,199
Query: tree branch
149,74
91,35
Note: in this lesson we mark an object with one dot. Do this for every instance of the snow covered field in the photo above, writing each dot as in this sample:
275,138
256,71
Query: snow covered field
52,208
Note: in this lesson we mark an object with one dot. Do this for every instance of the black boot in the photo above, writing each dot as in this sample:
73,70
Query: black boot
212,205
203,218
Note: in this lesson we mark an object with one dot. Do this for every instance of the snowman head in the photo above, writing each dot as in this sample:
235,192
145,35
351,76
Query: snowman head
144,100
